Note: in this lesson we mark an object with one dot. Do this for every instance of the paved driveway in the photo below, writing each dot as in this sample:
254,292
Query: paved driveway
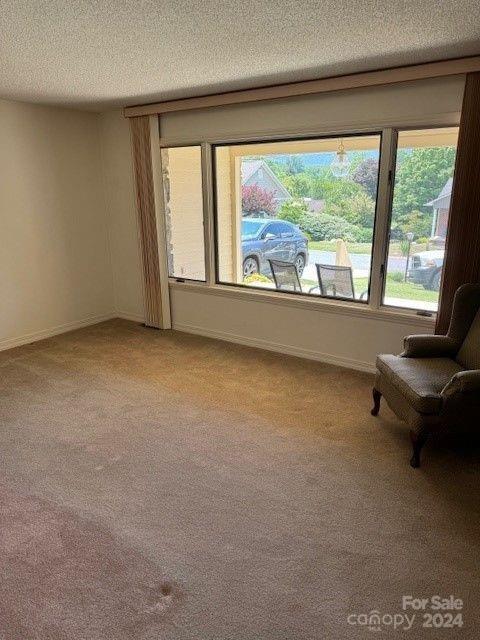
360,263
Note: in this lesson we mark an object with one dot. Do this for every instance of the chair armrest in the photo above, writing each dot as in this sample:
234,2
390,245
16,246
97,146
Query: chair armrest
427,346
462,382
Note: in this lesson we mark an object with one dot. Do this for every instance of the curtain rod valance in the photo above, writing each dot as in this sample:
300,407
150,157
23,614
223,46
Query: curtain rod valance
394,75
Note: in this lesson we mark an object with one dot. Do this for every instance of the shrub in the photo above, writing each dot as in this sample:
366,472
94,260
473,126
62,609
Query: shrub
364,235
396,276
292,210
322,226
256,277
404,247
255,199
422,240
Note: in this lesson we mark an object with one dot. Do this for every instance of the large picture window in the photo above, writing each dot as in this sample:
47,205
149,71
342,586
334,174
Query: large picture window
298,215
360,218
424,167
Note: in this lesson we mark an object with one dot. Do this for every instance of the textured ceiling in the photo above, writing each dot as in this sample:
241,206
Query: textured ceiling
96,54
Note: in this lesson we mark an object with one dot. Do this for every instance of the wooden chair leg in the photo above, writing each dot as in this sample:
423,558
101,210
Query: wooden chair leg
376,402
418,440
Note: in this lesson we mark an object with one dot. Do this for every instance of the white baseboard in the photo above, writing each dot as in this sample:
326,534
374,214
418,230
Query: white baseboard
290,350
300,352
27,338
125,315
17,341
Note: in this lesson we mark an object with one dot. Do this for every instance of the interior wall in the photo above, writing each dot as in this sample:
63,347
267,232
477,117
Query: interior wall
122,216
55,268
348,340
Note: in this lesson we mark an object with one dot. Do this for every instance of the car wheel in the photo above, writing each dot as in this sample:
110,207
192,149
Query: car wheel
250,266
300,263
435,281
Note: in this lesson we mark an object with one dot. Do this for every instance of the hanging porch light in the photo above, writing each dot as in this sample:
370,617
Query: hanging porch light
340,166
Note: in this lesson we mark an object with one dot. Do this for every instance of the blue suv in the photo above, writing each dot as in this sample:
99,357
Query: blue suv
266,239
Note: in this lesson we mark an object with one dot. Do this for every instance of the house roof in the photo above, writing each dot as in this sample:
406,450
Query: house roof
442,201
251,167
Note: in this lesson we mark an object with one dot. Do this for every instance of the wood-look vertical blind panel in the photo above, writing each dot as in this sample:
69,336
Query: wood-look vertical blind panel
462,259
147,223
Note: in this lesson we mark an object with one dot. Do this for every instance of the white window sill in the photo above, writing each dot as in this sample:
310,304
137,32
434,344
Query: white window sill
355,309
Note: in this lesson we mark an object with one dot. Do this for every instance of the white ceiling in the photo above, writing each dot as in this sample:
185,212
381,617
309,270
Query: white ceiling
96,54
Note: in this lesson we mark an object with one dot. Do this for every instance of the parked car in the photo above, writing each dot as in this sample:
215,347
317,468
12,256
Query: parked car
426,268
267,239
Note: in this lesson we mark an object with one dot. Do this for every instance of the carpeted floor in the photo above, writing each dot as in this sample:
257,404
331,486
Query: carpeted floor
165,486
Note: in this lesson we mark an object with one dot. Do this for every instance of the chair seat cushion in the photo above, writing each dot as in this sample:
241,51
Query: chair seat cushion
420,380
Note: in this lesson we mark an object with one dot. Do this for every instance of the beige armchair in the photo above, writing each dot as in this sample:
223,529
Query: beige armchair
435,382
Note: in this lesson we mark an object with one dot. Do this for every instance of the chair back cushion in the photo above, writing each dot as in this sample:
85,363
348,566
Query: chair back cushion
468,355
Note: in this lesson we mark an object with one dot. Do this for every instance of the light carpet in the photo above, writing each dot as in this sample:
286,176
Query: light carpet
161,485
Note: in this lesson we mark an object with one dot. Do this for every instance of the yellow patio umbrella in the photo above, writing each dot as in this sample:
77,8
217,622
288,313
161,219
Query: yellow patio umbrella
342,259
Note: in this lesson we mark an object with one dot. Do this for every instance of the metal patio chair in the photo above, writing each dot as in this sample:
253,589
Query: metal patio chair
335,281
285,275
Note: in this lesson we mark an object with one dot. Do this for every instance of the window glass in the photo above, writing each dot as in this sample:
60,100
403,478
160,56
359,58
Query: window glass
420,207
274,229
324,191
182,187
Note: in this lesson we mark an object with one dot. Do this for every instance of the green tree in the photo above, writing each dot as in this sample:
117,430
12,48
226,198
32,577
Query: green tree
417,222
278,168
359,209
294,164
420,176
366,174
298,186
333,190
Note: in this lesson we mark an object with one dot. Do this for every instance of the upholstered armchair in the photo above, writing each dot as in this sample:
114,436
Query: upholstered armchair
435,382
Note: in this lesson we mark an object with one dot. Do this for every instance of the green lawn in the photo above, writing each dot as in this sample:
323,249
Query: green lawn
403,290
394,289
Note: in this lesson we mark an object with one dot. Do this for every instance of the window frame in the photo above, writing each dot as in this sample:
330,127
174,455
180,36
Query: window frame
374,307
323,136
165,147
419,313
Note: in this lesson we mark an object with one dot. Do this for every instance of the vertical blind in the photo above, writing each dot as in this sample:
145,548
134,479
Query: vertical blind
157,311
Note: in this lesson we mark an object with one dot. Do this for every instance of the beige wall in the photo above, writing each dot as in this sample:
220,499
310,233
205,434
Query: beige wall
320,334
120,206
55,268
